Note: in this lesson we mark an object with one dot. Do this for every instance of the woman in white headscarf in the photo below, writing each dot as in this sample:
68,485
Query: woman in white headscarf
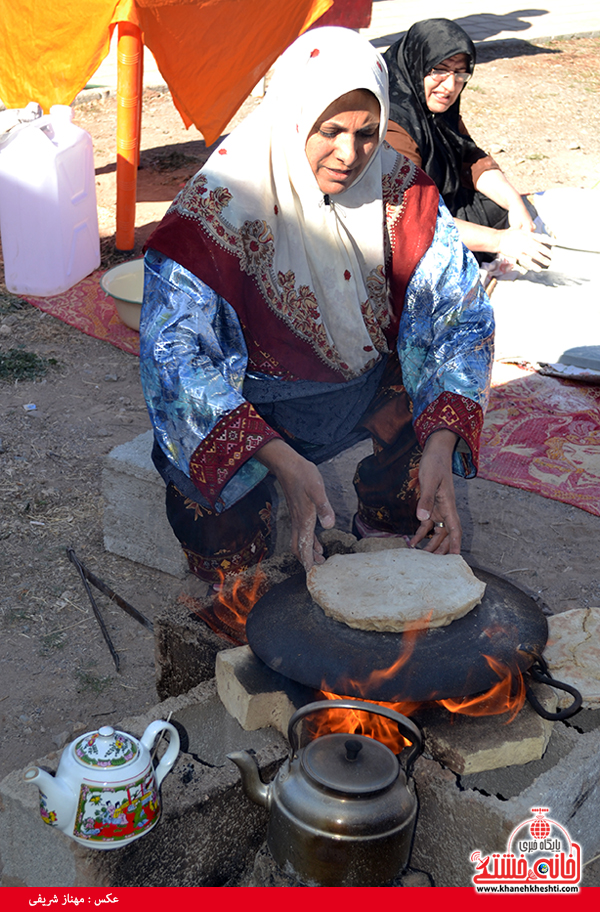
308,289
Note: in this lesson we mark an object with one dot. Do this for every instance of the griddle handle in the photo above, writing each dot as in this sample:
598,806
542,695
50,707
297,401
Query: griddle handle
406,727
540,672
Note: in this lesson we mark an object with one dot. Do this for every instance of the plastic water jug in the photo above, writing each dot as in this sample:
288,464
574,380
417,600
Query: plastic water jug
48,214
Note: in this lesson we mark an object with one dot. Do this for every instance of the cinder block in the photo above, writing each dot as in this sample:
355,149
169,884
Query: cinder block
254,694
459,815
135,522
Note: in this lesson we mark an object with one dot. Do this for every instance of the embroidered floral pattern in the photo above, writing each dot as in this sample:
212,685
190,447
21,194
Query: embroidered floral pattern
192,201
298,302
377,312
213,569
395,184
198,511
253,246
257,246
373,327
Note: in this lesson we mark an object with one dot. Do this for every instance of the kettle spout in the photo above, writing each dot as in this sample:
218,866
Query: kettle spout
253,785
57,800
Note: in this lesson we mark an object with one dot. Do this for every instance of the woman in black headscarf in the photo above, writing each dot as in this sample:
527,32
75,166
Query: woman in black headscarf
428,69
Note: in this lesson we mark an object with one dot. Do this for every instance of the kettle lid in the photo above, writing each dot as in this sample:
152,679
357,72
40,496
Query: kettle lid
106,748
347,763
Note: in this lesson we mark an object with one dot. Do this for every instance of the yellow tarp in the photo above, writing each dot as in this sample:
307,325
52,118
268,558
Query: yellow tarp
211,53
49,49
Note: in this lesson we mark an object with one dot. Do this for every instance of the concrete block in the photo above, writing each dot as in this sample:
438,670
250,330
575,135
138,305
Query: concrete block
472,744
135,524
457,816
254,694
208,835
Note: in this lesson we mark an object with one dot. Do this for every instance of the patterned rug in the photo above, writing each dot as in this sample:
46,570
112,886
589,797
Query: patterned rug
542,434
89,309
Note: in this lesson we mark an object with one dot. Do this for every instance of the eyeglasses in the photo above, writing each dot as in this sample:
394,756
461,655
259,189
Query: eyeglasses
441,75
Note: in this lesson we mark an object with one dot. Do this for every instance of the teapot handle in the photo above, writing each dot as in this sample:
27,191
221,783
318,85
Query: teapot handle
406,727
172,751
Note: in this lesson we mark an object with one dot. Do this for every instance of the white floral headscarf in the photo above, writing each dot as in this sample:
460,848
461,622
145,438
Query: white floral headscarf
336,251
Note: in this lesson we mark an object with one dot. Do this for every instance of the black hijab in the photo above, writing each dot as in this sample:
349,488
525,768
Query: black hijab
442,147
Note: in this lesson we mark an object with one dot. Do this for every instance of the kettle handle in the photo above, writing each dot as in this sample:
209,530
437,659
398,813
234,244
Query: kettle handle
172,751
406,727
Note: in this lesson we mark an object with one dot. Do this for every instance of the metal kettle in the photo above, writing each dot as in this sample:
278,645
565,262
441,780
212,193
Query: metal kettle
342,809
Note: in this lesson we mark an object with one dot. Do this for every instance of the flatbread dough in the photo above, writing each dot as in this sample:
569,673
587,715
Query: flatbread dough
395,590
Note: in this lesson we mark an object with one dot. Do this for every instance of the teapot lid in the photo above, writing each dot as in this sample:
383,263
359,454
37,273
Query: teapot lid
106,748
347,763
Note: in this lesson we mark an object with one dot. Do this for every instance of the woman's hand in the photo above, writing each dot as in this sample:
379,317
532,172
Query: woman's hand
518,242
437,502
519,216
306,498
529,251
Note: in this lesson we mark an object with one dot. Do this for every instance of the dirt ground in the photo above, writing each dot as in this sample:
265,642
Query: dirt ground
535,108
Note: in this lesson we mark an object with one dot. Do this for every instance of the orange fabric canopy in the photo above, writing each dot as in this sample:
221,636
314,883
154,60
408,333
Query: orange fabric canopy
211,53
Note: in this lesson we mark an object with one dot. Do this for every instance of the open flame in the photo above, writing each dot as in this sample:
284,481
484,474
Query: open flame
506,696
360,722
234,601
231,605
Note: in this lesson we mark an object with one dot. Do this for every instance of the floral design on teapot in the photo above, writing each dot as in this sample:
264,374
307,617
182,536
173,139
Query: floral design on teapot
120,812
46,814
121,750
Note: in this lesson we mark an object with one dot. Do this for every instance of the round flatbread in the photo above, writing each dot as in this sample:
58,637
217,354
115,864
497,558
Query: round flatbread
395,590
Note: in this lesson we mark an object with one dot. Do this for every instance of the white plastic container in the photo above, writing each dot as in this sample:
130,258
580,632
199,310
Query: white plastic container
48,214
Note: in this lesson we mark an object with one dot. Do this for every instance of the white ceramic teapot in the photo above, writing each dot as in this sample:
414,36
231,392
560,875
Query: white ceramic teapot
105,793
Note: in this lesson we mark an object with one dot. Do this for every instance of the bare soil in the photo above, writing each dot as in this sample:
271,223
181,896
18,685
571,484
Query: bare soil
535,108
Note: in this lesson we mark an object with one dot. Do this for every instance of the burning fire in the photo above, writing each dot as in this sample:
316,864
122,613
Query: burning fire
506,696
231,606
360,722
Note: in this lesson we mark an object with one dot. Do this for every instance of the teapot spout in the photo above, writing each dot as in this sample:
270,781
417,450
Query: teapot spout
253,785
59,801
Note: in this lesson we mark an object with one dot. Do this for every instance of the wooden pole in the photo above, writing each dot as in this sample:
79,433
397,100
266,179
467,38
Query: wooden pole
129,99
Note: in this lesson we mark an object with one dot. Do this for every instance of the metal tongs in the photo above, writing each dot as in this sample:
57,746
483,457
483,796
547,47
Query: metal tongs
88,577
